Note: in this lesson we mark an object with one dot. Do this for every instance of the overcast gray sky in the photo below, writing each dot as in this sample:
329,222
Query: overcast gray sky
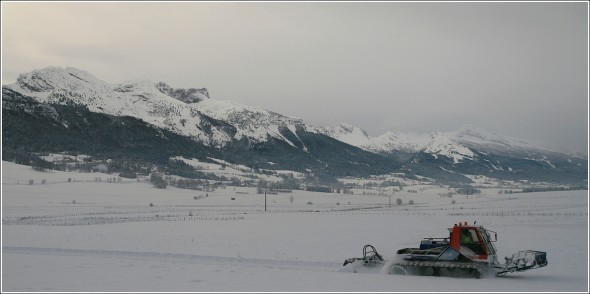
519,69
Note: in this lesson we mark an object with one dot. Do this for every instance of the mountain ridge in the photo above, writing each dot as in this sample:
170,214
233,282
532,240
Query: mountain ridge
223,124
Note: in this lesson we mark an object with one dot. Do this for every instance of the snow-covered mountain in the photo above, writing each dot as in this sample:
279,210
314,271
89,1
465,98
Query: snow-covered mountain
457,145
254,123
255,136
469,150
152,102
407,142
192,113
436,144
186,112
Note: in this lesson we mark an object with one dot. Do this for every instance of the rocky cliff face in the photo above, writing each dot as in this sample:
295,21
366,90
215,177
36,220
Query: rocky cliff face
191,95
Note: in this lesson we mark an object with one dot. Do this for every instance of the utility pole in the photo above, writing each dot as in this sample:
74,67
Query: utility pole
392,193
264,199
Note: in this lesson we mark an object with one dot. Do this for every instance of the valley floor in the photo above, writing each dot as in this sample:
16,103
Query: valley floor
90,236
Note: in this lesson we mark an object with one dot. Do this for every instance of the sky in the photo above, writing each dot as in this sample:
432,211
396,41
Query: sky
513,68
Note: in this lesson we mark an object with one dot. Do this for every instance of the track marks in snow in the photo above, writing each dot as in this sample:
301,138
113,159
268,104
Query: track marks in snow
180,257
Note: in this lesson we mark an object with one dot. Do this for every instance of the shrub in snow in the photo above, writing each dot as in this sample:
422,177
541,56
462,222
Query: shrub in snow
73,201
309,203
453,202
411,202
399,201
158,181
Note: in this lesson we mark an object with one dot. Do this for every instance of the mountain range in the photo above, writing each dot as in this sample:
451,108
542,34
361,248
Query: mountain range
67,103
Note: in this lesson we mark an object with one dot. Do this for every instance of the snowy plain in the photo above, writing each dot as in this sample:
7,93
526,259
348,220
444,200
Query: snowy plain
78,234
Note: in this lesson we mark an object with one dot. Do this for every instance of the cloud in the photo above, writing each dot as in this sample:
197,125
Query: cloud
513,68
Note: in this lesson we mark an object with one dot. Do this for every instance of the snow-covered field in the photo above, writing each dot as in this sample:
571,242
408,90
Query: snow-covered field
77,234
